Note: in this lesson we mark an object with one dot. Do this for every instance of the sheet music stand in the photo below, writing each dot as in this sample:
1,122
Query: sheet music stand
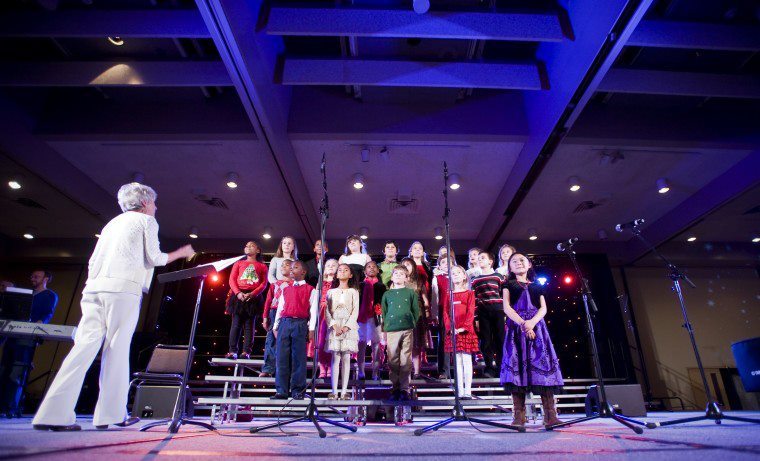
179,418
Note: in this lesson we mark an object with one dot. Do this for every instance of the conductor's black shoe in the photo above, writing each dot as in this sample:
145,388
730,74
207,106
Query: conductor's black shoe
278,397
126,423
50,427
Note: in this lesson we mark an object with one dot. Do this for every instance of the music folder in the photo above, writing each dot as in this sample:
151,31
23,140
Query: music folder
198,271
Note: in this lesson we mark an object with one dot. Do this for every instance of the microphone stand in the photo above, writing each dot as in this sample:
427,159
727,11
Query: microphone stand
712,411
458,413
605,409
311,413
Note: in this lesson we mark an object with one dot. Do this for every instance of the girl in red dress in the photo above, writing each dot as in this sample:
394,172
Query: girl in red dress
464,324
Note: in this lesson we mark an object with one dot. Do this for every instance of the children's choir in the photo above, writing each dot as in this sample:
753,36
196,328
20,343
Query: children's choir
395,307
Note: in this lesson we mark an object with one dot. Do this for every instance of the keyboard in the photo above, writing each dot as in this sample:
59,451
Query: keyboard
18,329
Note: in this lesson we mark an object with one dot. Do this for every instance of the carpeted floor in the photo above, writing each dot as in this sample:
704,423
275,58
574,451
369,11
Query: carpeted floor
600,439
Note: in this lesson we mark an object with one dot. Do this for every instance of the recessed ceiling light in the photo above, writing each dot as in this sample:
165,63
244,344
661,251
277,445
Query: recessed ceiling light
15,185
438,232
574,183
662,186
116,41
455,182
193,234
420,6
358,181
267,233
232,179
532,234
691,239
29,233
756,240
364,233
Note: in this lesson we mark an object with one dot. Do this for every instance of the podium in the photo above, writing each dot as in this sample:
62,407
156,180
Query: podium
200,272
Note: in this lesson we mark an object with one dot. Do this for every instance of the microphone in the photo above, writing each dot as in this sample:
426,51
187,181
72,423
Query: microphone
562,246
634,223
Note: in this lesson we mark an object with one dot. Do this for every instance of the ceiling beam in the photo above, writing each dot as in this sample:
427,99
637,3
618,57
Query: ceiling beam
695,35
530,27
575,69
737,180
19,141
251,59
298,71
637,81
104,23
141,73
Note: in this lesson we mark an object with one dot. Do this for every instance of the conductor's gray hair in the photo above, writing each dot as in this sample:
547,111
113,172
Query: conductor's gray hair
132,196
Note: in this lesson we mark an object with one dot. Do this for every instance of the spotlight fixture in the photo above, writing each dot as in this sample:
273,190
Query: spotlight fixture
232,179
358,181
13,184
138,177
193,233
438,233
267,233
384,154
756,239
117,41
542,280
455,182
532,234
29,233
365,154
602,234
691,239
574,183
364,233
662,186
421,6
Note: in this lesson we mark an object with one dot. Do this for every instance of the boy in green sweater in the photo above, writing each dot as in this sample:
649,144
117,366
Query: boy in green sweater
401,310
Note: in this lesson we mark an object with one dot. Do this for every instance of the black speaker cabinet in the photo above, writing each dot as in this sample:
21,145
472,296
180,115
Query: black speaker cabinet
157,402
626,399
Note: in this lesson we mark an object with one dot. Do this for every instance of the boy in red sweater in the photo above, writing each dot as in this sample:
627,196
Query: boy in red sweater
248,282
293,325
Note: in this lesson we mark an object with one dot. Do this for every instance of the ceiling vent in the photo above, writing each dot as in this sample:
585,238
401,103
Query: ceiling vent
215,202
27,202
403,203
586,205
753,210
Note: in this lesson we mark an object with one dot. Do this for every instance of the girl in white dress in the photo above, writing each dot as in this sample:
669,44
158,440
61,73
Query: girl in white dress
341,314
505,252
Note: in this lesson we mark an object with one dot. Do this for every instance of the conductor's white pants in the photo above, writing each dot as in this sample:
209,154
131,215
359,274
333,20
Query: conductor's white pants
108,320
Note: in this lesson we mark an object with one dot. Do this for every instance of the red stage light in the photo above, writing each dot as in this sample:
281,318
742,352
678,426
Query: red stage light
568,280
214,278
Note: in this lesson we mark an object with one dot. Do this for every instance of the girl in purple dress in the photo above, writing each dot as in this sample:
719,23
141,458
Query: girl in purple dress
530,363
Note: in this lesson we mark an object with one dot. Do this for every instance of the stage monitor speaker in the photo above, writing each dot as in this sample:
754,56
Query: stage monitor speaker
626,399
747,356
156,402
